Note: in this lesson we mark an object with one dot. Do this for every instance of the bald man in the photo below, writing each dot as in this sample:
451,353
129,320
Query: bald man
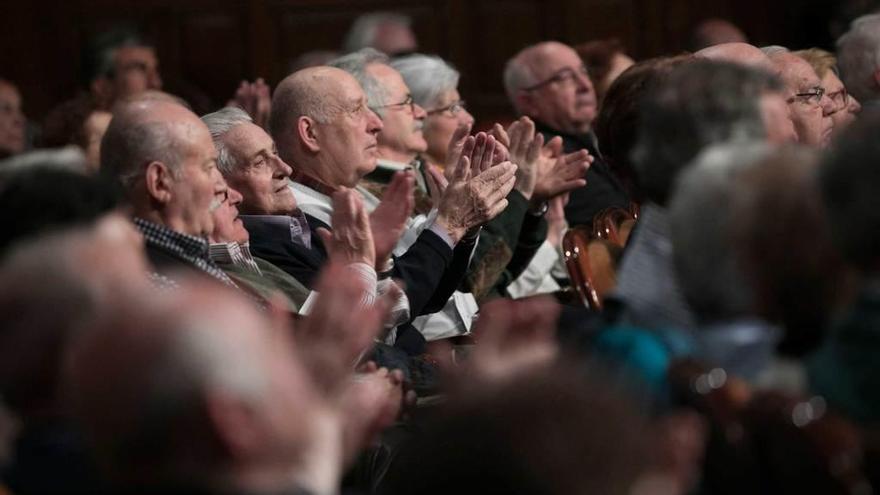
774,109
549,83
809,107
163,157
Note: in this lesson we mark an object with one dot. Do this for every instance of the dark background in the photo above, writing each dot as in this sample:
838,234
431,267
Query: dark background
206,47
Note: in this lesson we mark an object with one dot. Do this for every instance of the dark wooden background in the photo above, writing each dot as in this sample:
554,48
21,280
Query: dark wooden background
207,46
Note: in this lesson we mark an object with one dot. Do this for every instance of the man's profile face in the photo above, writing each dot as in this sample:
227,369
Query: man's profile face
260,175
135,70
349,140
402,123
811,115
562,95
777,122
227,226
197,186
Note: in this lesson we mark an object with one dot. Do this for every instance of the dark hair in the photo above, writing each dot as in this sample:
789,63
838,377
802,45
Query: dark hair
97,56
850,178
701,103
43,199
618,118
597,56
555,431
65,124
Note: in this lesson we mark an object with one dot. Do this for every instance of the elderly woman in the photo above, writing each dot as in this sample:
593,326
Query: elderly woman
825,65
433,84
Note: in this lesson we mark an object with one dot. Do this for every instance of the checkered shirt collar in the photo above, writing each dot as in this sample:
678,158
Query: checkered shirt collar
191,249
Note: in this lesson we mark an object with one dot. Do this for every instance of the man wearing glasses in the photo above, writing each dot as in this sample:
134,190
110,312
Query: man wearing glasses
548,83
808,105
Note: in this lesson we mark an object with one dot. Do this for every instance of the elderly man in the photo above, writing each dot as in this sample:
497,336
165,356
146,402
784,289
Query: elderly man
548,83
163,157
858,53
809,107
120,64
774,109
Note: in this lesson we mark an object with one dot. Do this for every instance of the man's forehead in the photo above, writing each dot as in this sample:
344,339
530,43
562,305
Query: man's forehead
552,57
135,52
797,72
248,138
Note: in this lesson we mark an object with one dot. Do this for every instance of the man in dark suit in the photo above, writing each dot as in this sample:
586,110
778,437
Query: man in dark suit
549,83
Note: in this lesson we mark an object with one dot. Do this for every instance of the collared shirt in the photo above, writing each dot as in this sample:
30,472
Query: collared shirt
233,253
295,223
187,248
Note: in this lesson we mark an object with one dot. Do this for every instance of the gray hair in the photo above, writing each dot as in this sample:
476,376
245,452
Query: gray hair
356,64
773,50
132,142
702,227
427,77
219,123
858,55
518,75
701,103
363,31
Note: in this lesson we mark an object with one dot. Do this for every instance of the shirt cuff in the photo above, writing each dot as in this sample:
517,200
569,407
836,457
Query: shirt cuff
442,233
367,275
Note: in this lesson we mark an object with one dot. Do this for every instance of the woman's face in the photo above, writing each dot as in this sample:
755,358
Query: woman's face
442,120
843,107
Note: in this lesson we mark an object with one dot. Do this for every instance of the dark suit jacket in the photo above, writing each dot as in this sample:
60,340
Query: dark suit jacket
603,189
429,270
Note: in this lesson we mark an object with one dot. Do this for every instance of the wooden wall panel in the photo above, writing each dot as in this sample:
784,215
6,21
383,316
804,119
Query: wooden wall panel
207,46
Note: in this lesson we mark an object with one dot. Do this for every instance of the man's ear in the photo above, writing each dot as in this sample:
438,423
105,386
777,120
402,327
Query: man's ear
308,133
233,423
525,103
159,181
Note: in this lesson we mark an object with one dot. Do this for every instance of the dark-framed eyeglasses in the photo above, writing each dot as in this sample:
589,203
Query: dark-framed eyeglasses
840,98
563,76
407,102
453,108
813,95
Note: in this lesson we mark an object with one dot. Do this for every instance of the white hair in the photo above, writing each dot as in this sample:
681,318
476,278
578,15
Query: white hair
365,28
219,123
773,50
356,64
858,57
701,218
427,77
517,75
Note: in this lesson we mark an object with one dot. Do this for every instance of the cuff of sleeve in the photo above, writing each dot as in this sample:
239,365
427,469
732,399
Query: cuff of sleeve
442,233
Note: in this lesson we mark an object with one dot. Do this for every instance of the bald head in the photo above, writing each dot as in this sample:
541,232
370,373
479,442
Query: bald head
311,92
323,126
740,53
156,380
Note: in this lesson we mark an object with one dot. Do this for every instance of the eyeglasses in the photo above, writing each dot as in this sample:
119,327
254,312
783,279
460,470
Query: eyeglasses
840,98
452,108
814,95
407,102
564,76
